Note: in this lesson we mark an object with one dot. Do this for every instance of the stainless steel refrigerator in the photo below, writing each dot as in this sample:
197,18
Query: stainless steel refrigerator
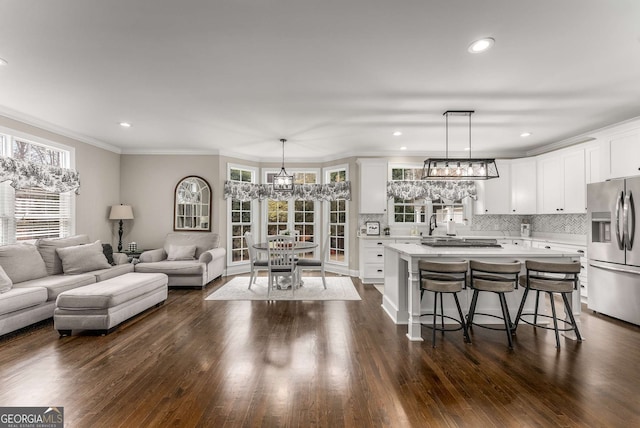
614,257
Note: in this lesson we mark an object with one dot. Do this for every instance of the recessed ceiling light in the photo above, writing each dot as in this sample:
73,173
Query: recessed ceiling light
403,148
125,124
3,62
397,133
481,45
525,134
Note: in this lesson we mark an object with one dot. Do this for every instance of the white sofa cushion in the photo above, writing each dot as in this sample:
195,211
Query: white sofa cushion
5,281
82,258
21,298
22,262
181,252
56,284
47,249
182,267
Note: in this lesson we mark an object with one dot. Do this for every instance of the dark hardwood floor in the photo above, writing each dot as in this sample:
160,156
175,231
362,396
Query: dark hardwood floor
204,363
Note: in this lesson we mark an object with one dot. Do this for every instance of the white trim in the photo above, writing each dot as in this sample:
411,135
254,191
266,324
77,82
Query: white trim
255,213
326,215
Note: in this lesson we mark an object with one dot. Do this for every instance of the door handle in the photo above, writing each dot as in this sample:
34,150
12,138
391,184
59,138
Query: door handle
629,215
619,238
615,269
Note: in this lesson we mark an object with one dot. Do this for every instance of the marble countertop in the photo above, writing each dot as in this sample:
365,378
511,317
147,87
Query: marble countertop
517,251
566,239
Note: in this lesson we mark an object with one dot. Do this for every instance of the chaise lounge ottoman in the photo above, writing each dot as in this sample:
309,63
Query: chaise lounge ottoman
104,305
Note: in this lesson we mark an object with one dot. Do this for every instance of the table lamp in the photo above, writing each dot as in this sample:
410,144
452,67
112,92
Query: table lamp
120,212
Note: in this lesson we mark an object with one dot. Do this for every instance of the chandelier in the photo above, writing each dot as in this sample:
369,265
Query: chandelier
283,182
459,168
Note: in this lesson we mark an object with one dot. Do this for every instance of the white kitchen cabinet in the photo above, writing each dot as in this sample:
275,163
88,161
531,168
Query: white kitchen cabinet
523,186
624,154
581,250
593,163
373,185
494,195
561,182
372,257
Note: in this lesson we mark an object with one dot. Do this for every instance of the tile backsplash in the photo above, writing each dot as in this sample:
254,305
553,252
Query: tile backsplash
575,224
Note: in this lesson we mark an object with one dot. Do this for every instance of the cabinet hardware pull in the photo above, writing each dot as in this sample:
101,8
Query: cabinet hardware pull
581,251
379,270
379,255
547,247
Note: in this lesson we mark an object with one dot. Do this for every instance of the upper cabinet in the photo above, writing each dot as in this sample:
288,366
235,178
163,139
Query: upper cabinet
494,196
373,185
562,182
523,186
624,153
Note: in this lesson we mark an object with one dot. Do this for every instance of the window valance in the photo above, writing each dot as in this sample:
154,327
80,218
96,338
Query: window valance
24,174
305,192
429,189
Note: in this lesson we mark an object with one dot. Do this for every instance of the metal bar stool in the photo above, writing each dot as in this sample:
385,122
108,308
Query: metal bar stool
497,278
551,278
444,278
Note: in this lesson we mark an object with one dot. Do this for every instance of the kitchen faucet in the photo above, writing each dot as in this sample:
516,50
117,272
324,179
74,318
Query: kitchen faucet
432,222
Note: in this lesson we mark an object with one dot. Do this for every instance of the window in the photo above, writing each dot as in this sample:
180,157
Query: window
407,210
241,215
33,213
338,215
295,215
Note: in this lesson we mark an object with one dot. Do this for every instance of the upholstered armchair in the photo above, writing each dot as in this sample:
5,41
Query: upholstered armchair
190,259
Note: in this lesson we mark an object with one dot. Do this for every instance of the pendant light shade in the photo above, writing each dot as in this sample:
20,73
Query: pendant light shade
283,182
459,168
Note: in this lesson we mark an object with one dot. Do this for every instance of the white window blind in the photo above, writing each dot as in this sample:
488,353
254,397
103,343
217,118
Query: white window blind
41,214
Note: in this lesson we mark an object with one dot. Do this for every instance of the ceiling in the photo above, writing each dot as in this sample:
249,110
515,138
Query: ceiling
335,78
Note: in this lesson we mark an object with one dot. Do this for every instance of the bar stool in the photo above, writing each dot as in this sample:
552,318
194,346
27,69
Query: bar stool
551,278
498,278
444,278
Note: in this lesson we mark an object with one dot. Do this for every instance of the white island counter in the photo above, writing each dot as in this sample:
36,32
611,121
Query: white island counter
401,298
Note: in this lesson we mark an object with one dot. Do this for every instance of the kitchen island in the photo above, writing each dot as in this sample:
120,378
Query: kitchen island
401,298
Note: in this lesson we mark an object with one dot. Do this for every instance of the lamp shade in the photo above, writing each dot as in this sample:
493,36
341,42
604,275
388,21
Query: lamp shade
121,212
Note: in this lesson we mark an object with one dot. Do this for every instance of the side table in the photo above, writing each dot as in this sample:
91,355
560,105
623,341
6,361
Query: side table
133,255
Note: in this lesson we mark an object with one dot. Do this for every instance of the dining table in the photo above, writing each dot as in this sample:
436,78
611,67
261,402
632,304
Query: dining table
299,247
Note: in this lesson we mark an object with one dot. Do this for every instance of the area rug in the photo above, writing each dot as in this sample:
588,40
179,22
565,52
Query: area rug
338,288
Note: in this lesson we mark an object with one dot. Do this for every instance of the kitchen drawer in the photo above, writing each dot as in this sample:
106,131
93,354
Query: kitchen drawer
376,243
374,255
374,270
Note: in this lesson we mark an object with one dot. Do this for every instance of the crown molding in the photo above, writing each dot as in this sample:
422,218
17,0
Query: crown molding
55,129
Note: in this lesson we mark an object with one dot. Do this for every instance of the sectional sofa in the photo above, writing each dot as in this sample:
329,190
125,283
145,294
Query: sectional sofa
33,275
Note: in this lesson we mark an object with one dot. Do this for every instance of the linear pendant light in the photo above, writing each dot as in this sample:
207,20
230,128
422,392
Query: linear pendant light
283,182
459,168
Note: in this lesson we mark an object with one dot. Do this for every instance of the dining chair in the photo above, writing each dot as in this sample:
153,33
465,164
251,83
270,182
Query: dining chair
316,264
256,262
281,262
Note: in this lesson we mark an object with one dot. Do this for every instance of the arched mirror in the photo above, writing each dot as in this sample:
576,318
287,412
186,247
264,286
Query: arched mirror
192,205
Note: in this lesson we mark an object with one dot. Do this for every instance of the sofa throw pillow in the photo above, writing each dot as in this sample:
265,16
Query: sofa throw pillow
82,258
47,249
181,252
5,281
22,262
107,249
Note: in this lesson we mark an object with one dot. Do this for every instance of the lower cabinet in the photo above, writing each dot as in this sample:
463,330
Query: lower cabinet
371,264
